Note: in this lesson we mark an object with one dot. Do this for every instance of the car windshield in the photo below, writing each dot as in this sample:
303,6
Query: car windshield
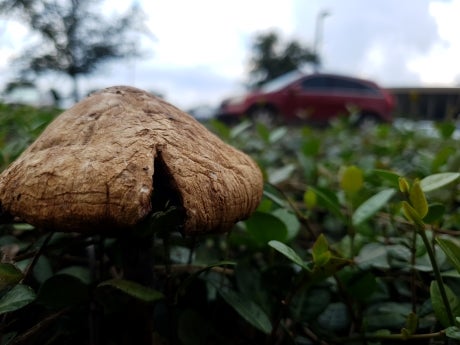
281,81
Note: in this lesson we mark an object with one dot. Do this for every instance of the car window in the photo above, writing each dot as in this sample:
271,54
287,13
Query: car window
335,84
352,85
317,82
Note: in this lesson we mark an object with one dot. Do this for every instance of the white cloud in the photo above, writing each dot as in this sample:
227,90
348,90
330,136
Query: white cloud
441,64
210,33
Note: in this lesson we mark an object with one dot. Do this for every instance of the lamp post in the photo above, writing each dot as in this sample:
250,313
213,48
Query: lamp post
318,36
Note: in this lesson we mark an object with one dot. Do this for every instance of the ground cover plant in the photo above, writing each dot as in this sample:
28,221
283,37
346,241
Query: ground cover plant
355,241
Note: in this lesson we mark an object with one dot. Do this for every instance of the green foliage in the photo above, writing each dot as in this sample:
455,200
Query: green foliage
355,241
19,126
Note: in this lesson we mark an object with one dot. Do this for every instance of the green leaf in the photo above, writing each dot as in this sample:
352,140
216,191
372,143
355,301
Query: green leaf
308,303
275,198
42,269
438,305
16,298
411,323
289,253
311,146
335,317
373,255
193,276
264,227
62,290
453,332
277,134
387,315
309,199
359,284
23,227
81,273
411,214
290,220
371,206
387,175
263,132
250,311
328,265
352,179
435,213
418,200
133,289
403,185
437,181
320,251
281,174
9,275
249,282
452,251
328,201
240,128
442,157
446,129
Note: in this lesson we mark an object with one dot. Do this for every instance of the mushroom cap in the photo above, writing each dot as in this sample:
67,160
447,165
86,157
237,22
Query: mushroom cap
101,165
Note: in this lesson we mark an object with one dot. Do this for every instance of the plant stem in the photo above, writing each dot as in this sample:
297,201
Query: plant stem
394,337
413,272
437,273
30,267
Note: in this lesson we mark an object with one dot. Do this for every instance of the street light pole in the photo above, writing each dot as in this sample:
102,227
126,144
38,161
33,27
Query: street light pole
318,37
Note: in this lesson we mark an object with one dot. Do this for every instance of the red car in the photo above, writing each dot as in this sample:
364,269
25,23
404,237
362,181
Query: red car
315,98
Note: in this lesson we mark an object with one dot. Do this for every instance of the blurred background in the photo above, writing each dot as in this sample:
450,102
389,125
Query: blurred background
197,53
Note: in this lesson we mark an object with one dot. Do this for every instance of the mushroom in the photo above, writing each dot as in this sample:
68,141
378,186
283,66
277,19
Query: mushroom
112,159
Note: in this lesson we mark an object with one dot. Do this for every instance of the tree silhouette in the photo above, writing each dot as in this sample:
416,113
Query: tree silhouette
75,37
272,58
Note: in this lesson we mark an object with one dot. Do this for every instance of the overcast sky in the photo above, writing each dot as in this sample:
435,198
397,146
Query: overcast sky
201,47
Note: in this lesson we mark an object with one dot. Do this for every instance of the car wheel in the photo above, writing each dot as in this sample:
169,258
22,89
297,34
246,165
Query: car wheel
368,120
227,119
264,115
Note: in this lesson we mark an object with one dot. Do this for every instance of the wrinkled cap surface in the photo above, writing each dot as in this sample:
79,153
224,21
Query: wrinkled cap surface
109,161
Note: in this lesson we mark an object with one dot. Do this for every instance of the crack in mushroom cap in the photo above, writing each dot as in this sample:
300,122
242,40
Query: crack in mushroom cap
98,166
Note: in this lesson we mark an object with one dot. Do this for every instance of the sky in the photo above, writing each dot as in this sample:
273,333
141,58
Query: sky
200,49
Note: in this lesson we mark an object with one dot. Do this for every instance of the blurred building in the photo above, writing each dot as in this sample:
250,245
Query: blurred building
427,103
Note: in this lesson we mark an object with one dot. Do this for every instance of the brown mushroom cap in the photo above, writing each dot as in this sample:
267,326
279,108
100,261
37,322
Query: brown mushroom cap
100,165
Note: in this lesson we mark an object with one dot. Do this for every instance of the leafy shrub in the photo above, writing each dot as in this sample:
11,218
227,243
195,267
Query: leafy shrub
355,241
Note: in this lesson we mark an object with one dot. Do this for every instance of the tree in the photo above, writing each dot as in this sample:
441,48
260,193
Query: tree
272,58
75,37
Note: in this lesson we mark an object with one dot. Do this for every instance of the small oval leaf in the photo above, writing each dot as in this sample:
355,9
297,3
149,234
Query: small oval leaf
370,207
133,289
18,297
452,251
418,199
437,181
320,251
352,179
309,199
264,227
250,311
288,252
411,214
9,275
281,174
438,304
